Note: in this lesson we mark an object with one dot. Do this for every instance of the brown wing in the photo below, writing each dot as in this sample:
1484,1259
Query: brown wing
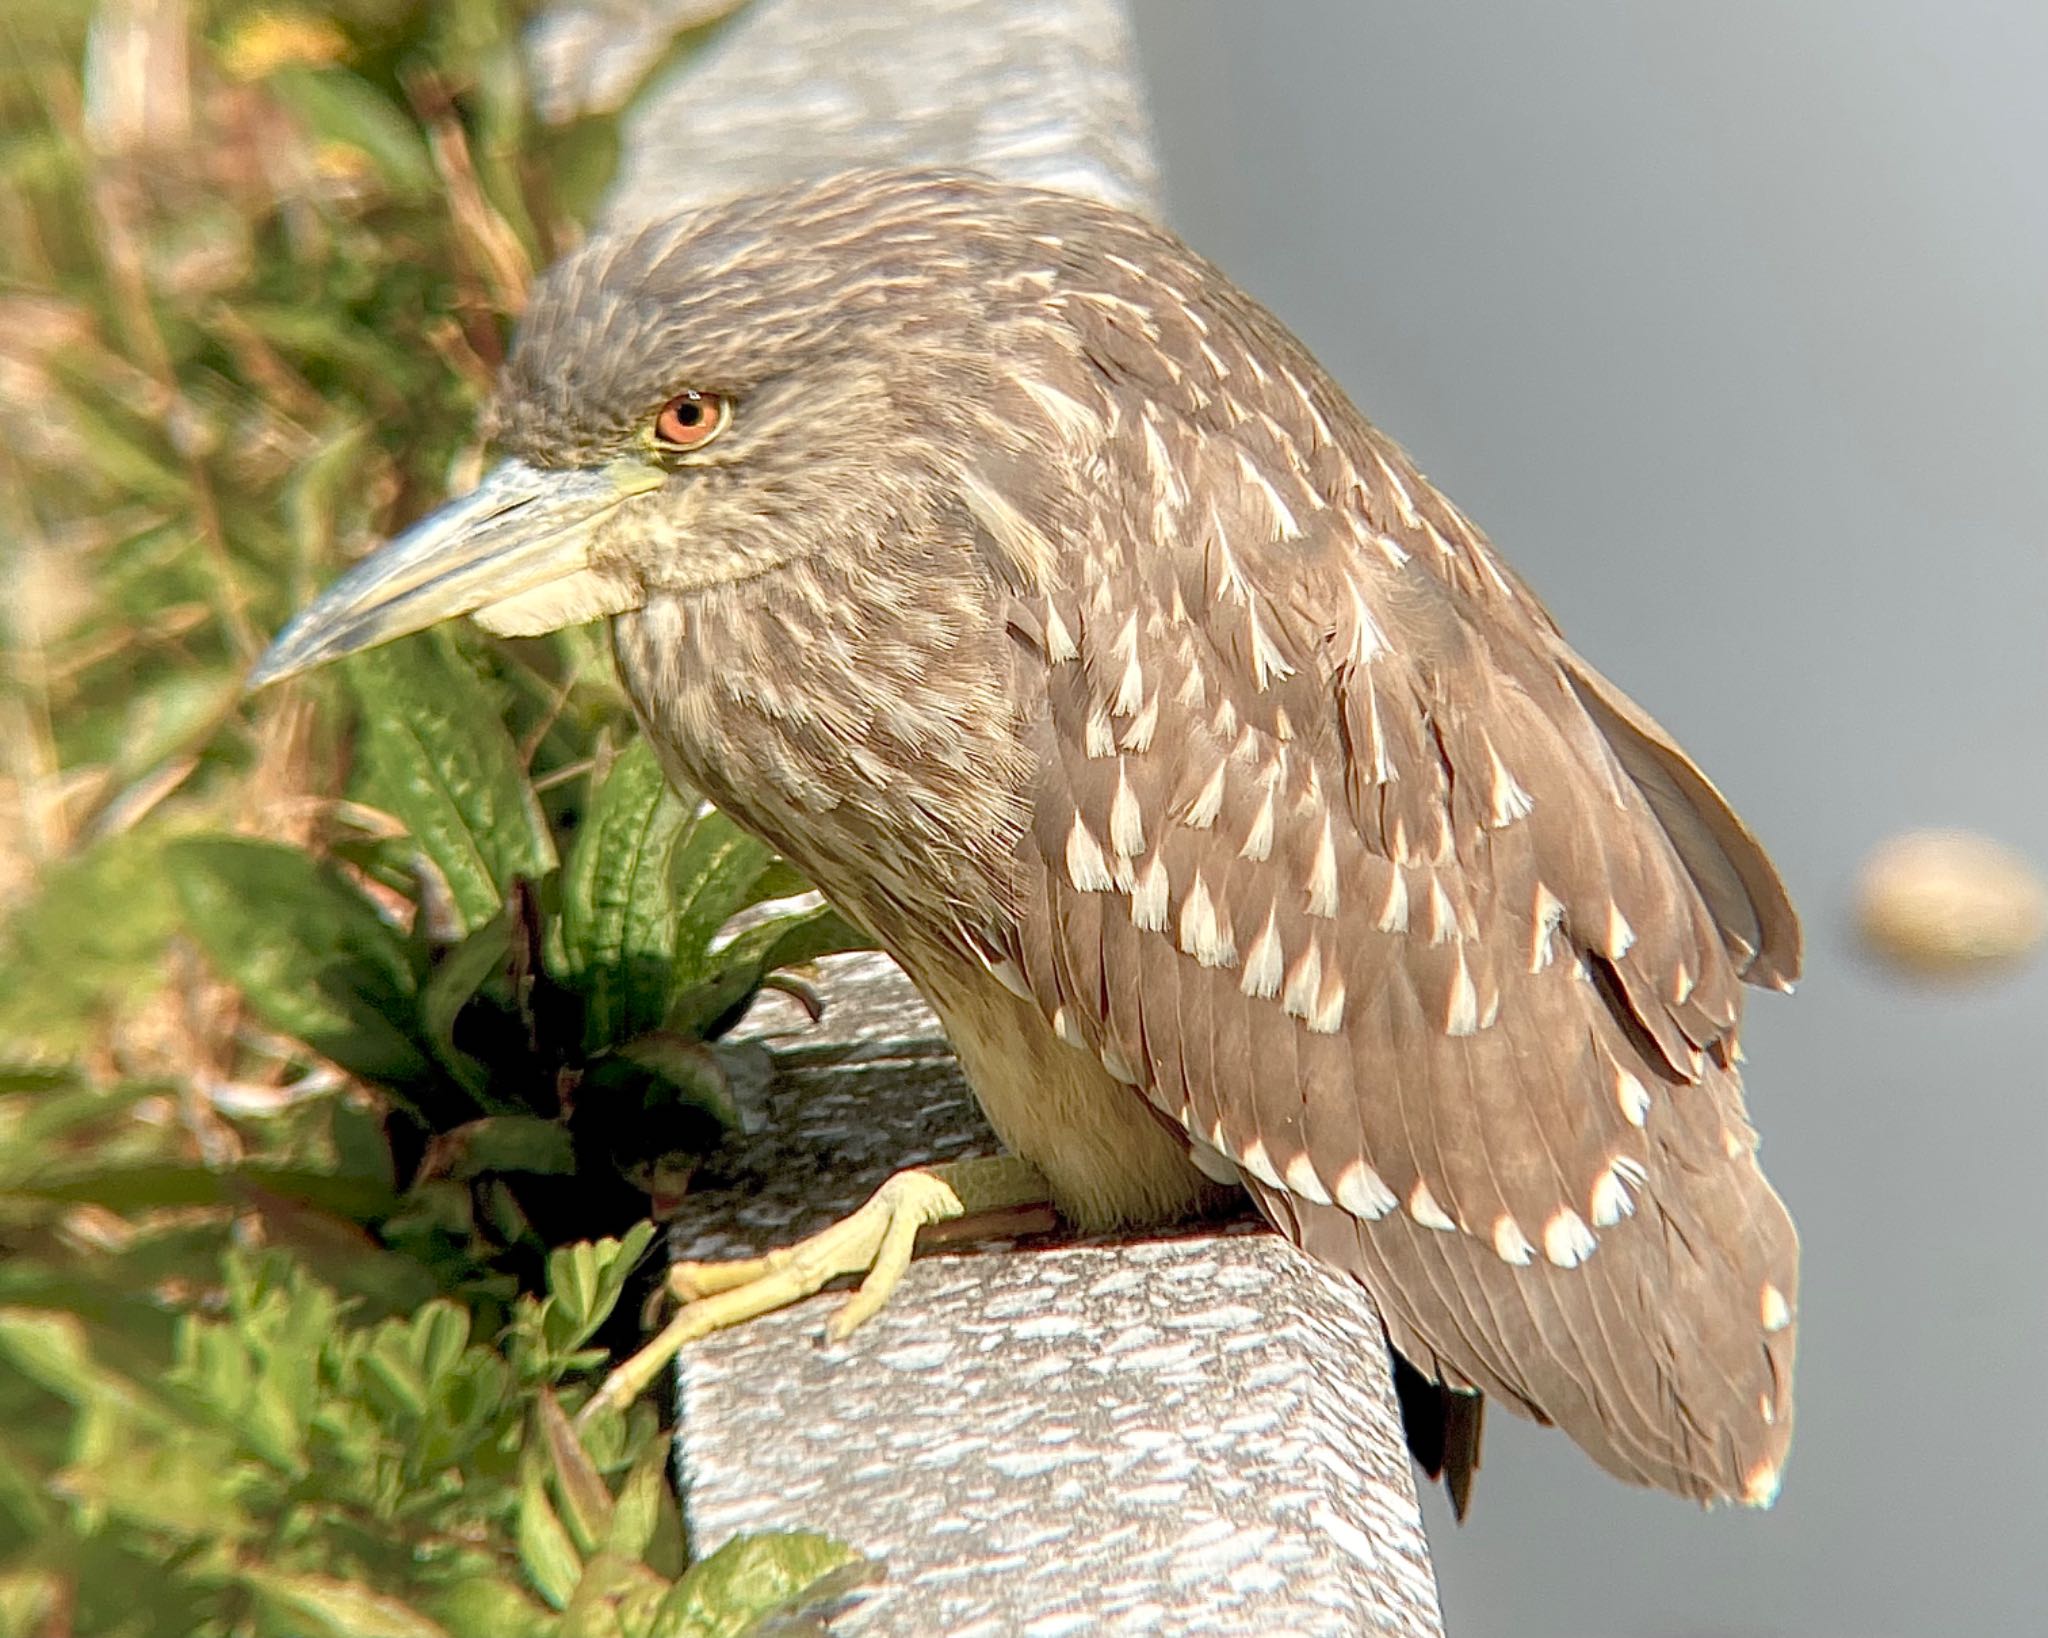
1368,882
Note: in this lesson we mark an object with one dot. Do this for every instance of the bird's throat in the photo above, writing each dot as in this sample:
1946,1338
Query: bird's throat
859,718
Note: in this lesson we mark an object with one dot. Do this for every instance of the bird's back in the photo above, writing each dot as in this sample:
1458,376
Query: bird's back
1181,725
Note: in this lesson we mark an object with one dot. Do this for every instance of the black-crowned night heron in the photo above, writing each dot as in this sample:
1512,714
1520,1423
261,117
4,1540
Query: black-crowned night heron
1241,813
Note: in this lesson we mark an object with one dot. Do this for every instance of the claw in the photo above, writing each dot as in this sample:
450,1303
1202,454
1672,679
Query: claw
876,1242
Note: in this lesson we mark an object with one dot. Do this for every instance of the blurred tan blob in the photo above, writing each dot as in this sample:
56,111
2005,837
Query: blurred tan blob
267,41
1950,903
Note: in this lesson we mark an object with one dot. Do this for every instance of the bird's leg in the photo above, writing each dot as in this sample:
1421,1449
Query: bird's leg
876,1242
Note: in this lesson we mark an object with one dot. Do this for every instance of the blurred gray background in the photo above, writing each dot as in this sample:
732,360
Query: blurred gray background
1730,324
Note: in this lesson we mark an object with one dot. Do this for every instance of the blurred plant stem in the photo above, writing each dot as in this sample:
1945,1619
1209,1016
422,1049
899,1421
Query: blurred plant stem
259,268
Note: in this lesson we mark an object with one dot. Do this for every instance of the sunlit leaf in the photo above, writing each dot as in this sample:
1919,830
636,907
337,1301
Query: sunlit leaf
642,1505
330,1607
619,918
439,1335
391,1376
435,754
756,1576
585,1282
617,1598
736,971
179,1487
487,1606
586,1504
546,1553
717,871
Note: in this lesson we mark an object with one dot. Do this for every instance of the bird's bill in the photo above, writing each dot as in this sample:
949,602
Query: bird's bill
514,551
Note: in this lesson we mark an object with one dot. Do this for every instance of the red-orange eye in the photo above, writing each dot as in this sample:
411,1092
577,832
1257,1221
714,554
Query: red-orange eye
690,420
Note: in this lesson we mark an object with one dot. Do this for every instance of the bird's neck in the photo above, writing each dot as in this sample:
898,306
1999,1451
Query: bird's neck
857,714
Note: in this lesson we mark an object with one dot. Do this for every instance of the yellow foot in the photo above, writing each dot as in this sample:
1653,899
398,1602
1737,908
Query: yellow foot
876,1242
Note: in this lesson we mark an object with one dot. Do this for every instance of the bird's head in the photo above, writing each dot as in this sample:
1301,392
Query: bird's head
697,403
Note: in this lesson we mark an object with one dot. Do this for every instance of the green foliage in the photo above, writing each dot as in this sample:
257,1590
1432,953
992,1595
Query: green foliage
250,302
252,293
366,1427
108,913
441,762
354,1012
536,1033
309,950
300,1469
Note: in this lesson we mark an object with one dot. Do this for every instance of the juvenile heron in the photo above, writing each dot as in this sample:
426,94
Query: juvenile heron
1243,816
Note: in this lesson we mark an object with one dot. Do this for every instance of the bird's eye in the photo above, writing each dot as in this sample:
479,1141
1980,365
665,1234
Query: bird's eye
690,420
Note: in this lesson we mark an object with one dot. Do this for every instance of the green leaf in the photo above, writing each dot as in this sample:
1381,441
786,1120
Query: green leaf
344,108
394,1382
486,1606
585,1282
51,1349
753,1577
583,157
320,491
440,1335
780,881
683,1071
172,1183
419,1367
710,1006
25,1504
173,714
643,1504
618,915
132,465
38,1078
715,875
505,1143
546,1553
306,949
453,984
261,1366
435,753
334,1608
183,1488
586,1503
617,1598
572,1296
319,335
89,943
35,1129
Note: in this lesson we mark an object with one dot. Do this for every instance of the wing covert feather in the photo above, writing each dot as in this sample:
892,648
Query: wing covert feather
1368,883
